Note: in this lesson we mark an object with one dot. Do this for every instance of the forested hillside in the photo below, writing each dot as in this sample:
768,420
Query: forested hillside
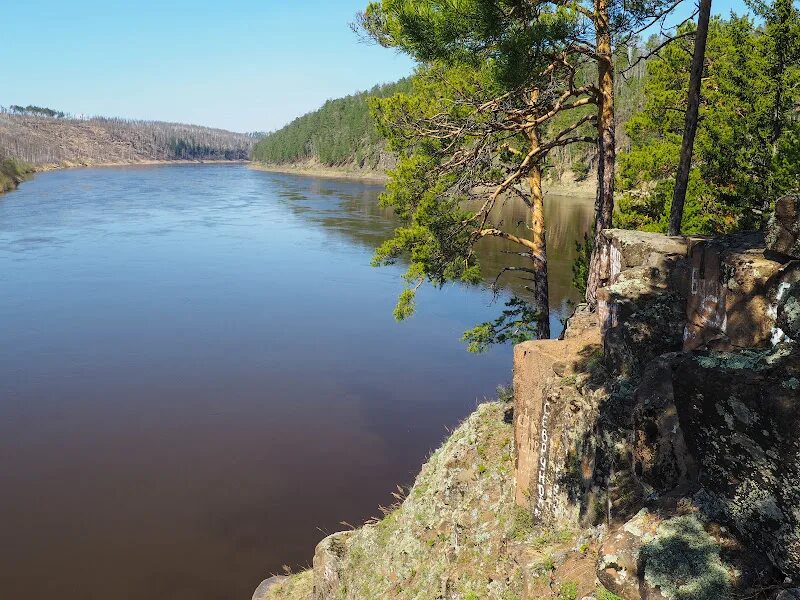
343,132
40,138
340,133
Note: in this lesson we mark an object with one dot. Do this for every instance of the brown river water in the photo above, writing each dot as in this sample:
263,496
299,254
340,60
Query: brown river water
200,374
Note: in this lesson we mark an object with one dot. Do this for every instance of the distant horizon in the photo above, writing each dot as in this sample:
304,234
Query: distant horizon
80,116
245,66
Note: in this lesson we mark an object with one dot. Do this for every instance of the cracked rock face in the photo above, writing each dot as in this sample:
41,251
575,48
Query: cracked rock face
733,418
783,230
788,311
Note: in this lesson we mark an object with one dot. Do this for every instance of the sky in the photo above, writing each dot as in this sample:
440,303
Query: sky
243,65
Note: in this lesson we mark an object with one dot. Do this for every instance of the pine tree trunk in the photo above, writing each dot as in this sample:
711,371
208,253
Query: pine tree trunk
690,127
539,238
599,268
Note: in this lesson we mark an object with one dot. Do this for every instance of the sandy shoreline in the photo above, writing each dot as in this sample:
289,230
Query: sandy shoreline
320,171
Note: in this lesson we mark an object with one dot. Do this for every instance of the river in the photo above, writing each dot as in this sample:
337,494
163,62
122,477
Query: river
200,374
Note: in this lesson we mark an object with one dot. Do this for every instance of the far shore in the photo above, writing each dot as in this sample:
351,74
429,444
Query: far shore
586,187
129,163
322,171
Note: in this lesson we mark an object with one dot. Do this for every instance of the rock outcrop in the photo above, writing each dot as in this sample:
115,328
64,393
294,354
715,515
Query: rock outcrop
643,309
554,421
675,551
734,290
695,402
729,422
783,230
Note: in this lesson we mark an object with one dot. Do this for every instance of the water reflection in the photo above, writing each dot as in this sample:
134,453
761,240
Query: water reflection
351,209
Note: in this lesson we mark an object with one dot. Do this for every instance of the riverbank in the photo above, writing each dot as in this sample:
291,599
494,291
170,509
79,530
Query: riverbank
319,170
127,163
567,186
457,534
13,173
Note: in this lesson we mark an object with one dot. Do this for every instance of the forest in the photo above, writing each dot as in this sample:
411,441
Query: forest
341,132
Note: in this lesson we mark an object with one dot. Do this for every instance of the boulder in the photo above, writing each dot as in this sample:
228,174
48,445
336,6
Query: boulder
329,561
266,585
783,229
644,320
642,310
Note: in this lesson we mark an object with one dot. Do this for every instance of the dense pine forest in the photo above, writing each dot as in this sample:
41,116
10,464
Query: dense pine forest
42,136
341,132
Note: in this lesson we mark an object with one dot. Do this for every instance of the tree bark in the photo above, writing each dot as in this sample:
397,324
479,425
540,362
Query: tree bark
599,268
539,239
690,127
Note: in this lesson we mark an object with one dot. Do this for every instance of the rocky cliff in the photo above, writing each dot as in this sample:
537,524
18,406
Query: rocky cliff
681,435
652,452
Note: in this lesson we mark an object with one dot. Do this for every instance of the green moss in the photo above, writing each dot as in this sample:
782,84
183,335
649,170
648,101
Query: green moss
683,560
568,591
603,594
523,523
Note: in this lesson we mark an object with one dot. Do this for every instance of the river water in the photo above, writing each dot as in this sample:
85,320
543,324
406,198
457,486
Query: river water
200,374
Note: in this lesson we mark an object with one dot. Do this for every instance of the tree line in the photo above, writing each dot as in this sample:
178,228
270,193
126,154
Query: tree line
39,111
504,86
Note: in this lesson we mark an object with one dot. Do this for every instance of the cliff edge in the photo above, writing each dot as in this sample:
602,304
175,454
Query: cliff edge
651,453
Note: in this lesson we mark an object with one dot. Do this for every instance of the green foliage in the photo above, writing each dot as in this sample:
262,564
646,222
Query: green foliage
463,131
340,132
12,173
517,323
39,111
437,235
603,594
568,591
522,525
748,139
482,34
580,268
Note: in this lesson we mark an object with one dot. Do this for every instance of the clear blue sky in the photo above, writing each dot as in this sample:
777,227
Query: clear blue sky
244,65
